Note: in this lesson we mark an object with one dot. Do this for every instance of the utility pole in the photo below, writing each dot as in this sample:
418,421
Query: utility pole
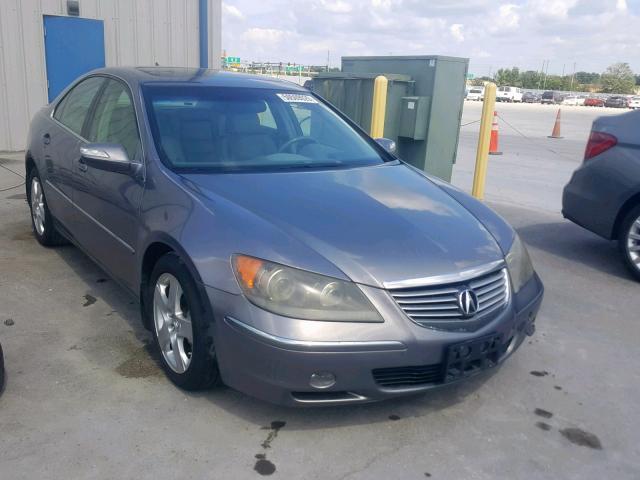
328,59
546,73
541,75
573,76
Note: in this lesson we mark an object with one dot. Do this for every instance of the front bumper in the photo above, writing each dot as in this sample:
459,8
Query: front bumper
277,368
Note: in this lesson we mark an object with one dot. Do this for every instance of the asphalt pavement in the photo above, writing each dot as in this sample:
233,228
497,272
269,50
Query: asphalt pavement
85,398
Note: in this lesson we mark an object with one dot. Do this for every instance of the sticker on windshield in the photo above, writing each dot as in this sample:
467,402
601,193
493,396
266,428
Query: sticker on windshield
296,98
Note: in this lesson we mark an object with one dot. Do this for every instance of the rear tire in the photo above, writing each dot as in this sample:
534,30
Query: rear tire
42,220
180,325
629,241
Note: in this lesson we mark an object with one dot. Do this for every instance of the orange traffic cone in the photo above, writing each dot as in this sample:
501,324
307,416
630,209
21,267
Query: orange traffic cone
556,127
493,144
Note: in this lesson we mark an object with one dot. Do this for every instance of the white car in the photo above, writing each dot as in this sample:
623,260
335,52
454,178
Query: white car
634,102
509,94
573,100
476,94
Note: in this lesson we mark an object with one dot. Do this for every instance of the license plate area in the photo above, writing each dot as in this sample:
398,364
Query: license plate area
473,356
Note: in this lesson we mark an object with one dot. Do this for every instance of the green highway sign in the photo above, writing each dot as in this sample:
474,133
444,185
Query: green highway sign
232,59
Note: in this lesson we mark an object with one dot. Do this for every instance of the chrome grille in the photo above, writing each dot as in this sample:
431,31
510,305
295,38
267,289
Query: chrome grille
439,303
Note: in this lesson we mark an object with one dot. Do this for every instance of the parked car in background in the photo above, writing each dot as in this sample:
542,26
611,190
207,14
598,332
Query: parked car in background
509,94
273,245
530,97
551,98
572,100
634,102
603,194
476,94
617,101
594,102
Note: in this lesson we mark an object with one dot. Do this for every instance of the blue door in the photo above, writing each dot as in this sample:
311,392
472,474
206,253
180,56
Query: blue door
73,46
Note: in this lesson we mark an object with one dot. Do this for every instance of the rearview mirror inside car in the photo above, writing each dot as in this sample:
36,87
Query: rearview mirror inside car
388,144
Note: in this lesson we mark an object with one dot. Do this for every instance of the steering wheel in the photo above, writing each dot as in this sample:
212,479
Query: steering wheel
295,141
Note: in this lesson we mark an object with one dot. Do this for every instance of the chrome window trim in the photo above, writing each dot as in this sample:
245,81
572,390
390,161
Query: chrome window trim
113,235
446,278
308,345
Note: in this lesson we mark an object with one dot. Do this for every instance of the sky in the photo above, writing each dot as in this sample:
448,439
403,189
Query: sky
492,33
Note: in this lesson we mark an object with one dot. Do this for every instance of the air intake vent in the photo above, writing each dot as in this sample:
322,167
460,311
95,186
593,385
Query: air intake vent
409,376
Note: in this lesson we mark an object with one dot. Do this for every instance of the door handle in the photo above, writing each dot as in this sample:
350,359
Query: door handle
82,166
46,139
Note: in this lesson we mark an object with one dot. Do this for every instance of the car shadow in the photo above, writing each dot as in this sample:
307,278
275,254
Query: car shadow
573,243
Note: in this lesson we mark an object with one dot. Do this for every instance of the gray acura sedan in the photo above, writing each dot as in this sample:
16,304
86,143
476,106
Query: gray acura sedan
272,244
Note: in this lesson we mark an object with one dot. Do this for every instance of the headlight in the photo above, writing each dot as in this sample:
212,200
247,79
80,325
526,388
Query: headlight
519,264
299,294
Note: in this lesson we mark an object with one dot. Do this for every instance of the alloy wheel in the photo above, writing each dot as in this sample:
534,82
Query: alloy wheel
172,321
633,243
37,206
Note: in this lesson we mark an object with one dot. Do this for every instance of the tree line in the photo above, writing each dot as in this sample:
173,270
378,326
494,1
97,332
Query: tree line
617,78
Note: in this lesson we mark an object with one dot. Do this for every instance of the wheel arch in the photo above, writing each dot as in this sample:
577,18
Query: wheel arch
160,244
629,205
29,166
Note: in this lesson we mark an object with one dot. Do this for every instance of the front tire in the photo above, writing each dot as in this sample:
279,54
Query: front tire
178,320
42,221
629,241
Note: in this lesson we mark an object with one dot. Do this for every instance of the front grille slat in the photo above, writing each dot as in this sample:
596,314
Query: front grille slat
429,292
434,315
438,305
430,308
484,306
420,300
475,284
489,288
487,297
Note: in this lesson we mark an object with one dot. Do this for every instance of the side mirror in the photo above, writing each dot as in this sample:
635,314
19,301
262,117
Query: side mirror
388,144
106,156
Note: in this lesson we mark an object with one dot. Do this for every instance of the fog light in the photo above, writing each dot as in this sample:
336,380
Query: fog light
322,380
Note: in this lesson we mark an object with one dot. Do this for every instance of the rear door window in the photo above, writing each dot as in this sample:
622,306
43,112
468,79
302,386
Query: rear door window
73,108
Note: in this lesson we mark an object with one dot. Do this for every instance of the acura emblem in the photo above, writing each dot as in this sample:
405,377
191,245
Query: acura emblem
468,302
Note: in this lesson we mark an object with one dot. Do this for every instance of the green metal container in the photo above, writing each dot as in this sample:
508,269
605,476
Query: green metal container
425,96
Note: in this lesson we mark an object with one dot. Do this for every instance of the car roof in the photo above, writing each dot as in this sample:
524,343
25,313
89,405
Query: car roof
196,76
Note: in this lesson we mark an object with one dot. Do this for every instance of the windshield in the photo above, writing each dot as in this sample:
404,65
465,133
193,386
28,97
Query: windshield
201,128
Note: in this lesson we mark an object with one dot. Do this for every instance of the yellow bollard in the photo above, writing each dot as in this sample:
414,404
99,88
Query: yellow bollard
379,106
482,154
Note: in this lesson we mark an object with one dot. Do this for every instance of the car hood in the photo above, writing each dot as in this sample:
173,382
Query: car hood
379,225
